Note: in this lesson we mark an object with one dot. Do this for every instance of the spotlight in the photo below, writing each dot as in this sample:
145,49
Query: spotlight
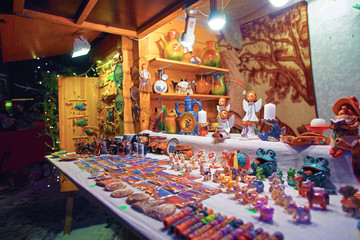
188,37
81,47
216,19
278,3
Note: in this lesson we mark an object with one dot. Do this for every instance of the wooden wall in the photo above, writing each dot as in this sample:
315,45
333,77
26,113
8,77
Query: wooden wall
75,88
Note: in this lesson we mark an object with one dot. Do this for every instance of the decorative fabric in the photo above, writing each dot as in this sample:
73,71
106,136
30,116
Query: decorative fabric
275,61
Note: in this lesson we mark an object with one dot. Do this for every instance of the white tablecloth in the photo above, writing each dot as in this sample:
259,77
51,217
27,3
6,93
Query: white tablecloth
330,224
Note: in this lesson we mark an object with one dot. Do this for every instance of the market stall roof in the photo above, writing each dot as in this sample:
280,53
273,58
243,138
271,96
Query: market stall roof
41,28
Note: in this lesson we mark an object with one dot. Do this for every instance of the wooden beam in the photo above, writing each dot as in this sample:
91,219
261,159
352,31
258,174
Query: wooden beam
18,6
84,25
165,17
85,11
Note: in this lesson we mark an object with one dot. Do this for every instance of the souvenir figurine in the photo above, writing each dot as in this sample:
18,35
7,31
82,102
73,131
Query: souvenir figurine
291,177
258,185
320,197
145,84
225,120
274,132
350,200
300,213
315,169
251,106
259,174
345,125
265,160
266,213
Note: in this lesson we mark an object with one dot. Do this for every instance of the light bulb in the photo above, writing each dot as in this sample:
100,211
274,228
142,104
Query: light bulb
278,3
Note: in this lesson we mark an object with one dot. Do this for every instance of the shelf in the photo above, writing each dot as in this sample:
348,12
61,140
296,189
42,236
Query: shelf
203,97
183,66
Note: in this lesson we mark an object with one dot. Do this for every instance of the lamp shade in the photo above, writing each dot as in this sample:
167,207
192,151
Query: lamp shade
81,46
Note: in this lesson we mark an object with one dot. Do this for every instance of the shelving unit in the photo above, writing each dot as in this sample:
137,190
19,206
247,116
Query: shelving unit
183,66
203,97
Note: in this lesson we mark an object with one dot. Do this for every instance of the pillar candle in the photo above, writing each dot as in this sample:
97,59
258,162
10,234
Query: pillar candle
202,116
269,111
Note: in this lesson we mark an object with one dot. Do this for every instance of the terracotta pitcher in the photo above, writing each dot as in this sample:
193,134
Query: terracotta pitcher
218,85
172,46
203,86
211,56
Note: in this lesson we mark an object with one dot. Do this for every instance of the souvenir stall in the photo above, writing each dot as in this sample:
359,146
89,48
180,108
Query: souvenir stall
187,136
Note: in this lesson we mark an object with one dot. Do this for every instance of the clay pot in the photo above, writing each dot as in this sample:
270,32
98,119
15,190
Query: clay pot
211,56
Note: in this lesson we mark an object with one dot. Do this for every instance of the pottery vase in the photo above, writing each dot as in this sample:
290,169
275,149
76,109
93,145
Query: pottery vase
172,46
211,56
203,86
219,86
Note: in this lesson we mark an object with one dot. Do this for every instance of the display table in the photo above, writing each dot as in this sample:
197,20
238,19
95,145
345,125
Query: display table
330,224
287,156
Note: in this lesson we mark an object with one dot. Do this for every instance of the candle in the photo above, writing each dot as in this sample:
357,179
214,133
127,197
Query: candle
202,116
318,122
269,111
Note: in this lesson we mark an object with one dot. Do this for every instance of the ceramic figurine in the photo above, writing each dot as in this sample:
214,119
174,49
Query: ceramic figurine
259,174
320,197
274,132
145,84
216,176
265,160
315,170
280,174
291,177
266,213
207,174
259,185
251,106
300,213
345,125
350,200
225,120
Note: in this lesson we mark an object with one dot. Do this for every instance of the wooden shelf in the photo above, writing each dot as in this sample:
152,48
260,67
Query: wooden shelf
183,66
203,97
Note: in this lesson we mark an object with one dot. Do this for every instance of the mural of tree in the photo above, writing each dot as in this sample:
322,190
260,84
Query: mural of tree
276,49
276,55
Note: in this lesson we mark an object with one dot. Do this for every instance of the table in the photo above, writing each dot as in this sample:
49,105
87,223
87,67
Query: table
330,224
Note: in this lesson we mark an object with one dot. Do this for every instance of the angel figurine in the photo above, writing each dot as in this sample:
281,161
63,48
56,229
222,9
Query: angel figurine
251,106
226,122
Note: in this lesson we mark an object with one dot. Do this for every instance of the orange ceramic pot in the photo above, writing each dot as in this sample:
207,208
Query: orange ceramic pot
202,85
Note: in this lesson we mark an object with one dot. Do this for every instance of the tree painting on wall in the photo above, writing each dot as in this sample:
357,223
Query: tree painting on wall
276,63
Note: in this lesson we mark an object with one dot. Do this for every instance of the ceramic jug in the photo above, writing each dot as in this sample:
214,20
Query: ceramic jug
172,46
219,86
211,56
203,86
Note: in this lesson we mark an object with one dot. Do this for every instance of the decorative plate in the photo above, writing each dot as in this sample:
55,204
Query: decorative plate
118,75
187,122
160,86
134,93
171,145
119,103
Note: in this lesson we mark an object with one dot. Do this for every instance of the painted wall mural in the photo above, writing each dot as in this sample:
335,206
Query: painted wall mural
275,61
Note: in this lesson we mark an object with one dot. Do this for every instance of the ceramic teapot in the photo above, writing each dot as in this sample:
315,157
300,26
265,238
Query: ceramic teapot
184,87
173,49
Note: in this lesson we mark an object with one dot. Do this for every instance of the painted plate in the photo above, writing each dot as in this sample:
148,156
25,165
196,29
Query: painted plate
160,86
187,122
118,75
119,103
171,145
